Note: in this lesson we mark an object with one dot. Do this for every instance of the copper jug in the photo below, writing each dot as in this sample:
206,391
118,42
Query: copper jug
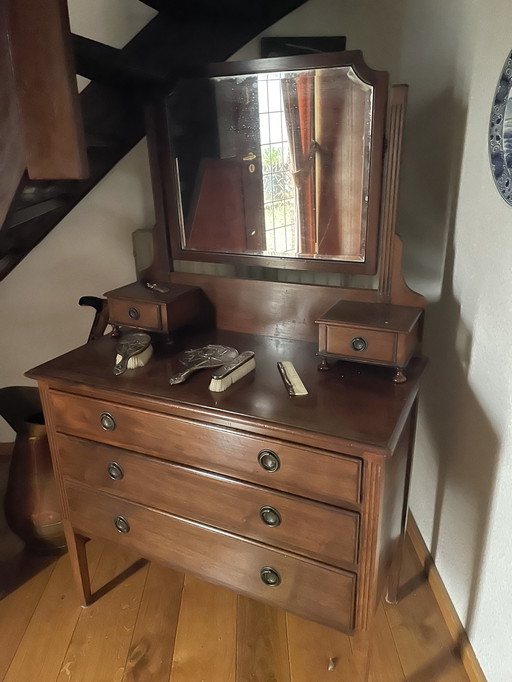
32,506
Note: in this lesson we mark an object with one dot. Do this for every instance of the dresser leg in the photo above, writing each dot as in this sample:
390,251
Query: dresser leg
393,586
392,595
78,558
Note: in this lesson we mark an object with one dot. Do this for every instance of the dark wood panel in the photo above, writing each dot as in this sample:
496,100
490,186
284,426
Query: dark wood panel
289,310
12,150
311,473
311,590
47,90
321,532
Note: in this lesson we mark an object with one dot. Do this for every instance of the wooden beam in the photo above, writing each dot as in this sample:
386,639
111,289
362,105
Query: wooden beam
12,150
47,91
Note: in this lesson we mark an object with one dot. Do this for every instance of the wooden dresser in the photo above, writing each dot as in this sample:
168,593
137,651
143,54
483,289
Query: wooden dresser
300,502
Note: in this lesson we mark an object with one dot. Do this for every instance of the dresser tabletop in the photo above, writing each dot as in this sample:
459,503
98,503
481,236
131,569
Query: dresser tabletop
356,405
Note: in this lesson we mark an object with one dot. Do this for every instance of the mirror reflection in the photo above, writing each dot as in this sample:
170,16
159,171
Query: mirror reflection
274,164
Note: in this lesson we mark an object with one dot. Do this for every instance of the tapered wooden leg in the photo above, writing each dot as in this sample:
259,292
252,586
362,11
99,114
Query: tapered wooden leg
392,595
394,574
78,557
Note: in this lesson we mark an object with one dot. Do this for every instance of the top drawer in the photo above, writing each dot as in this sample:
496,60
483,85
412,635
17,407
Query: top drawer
302,471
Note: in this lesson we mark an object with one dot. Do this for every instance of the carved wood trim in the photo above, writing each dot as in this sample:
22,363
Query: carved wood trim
394,134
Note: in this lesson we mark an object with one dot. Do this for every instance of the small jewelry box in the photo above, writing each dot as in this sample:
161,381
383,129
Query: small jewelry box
375,333
160,308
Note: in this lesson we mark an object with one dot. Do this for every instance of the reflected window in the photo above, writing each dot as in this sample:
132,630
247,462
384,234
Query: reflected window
278,190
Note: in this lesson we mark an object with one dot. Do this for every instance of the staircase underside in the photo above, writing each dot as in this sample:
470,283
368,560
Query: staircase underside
177,42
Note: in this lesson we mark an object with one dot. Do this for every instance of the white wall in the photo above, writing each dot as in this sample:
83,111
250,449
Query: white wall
458,242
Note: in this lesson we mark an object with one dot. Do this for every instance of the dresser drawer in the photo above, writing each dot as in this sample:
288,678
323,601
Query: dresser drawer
309,589
316,530
310,473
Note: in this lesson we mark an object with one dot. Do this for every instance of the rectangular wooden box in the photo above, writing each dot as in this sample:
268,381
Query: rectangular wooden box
375,333
139,307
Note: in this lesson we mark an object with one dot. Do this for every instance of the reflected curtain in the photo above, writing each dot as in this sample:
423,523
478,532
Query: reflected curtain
298,98
341,112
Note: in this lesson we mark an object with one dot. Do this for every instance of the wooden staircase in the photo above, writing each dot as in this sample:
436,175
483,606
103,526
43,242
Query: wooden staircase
181,38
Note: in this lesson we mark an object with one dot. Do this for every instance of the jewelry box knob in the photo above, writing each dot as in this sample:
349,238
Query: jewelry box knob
359,344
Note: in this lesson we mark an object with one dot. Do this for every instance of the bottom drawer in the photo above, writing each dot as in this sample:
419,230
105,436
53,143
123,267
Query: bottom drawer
309,589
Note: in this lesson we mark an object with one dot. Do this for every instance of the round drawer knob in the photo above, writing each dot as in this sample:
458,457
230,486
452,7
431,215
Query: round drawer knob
107,421
134,313
270,516
121,524
270,576
269,460
115,471
359,344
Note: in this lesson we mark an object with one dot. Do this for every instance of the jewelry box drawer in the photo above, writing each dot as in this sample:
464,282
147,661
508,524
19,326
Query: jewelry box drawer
309,589
135,314
315,474
362,344
316,530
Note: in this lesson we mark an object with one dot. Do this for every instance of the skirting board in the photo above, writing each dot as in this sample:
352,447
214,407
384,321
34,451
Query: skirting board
450,616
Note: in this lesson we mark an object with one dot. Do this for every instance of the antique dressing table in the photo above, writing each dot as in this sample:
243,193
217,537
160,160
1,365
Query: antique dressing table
290,164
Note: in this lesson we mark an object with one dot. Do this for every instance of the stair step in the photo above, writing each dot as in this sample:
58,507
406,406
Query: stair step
24,215
221,9
38,191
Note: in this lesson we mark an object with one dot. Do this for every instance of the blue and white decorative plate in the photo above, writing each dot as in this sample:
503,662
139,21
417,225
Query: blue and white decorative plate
500,133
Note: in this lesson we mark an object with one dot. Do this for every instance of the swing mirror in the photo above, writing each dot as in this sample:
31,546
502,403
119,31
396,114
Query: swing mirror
279,160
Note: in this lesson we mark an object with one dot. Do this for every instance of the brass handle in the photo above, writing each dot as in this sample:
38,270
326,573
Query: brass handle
269,461
134,313
122,524
270,576
115,471
270,516
107,421
250,156
359,344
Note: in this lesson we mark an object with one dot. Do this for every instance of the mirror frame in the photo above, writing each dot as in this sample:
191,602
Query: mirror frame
169,216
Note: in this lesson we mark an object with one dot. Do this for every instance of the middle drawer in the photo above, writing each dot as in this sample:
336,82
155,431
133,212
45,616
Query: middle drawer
316,530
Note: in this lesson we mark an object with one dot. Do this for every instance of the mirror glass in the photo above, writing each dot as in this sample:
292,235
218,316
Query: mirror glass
274,164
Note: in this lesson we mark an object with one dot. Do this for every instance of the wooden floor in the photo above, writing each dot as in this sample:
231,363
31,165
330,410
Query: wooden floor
152,624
